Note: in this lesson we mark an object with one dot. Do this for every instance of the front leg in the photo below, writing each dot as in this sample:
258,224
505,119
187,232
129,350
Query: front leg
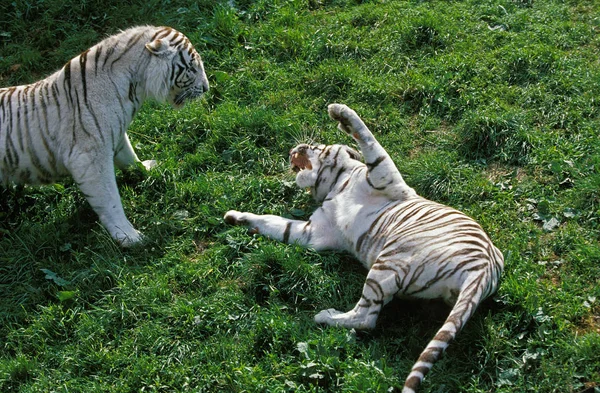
316,233
95,177
125,156
382,174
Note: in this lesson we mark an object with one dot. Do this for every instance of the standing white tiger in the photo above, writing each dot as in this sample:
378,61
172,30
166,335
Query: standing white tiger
412,247
75,121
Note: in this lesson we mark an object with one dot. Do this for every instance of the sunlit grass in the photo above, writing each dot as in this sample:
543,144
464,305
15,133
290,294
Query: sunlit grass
490,107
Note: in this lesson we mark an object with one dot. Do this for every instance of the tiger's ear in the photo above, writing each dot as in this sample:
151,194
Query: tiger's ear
160,48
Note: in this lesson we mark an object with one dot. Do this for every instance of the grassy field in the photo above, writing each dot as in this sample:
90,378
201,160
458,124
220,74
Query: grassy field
491,107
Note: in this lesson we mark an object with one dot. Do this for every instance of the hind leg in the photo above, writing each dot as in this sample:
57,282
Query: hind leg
380,287
382,175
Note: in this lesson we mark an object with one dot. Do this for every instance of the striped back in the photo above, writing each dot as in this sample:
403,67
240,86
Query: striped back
91,100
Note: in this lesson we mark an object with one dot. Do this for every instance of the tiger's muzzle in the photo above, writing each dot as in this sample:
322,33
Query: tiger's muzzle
190,94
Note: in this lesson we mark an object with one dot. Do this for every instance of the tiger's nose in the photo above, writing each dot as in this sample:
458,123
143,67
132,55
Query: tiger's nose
298,149
303,148
204,87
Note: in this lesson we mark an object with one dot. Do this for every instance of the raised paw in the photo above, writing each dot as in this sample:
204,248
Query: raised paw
349,122
340,113
335,111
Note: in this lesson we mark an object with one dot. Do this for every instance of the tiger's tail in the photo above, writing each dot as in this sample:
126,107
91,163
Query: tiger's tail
468,300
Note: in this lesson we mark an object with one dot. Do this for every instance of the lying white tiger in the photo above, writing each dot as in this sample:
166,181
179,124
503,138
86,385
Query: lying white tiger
412,246
75,121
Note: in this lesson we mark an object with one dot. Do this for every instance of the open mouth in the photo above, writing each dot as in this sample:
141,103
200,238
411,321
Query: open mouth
300,162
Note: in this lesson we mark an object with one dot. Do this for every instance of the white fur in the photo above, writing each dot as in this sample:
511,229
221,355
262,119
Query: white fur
77,119
412,247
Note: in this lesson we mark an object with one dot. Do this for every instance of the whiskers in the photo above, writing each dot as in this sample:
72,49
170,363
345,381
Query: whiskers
303,135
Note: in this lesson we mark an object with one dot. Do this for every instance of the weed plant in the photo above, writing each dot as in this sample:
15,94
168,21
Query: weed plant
488,106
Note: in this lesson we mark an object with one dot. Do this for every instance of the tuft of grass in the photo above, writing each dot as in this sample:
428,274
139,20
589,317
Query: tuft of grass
494,133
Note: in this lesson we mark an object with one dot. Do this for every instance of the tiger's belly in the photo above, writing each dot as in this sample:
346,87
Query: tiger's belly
29,171
31,163
27,150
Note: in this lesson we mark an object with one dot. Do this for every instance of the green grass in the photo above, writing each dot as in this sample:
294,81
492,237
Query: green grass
488,106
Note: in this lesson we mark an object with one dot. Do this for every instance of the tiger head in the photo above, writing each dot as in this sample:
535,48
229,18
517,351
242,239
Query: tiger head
321,167
176,72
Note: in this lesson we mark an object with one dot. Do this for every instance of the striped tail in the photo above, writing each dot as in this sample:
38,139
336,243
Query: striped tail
465,306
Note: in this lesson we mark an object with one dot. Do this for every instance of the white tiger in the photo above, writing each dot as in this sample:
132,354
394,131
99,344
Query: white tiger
75,121
412,247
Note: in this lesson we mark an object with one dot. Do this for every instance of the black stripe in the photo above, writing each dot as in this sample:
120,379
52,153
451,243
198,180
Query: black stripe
307,229
343,187
56,97
422,369
430,354
177,41
18,123
362,237
172,77
340,171
109,53
81,123
286,233
42,120
413,382
25,105
374,164
335,158
376,287
132,88
51,157
67,73
2,95
162,33
82,66
11,151
373,186
97,58
130,44
134,39
67,81
177,77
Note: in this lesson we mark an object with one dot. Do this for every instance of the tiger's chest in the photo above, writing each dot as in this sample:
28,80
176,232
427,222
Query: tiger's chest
354,214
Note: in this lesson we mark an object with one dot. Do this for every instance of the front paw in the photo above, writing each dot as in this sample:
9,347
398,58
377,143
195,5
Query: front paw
343,115
349,122
335,111
149,164
131,239
234,217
